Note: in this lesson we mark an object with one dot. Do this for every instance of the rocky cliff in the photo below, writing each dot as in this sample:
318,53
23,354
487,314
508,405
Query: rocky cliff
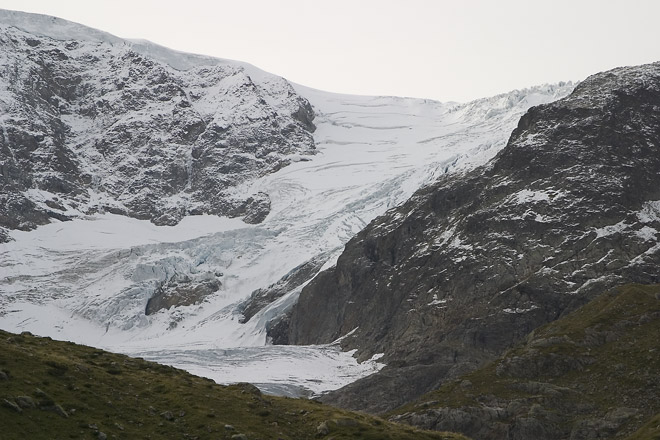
473,263
92,123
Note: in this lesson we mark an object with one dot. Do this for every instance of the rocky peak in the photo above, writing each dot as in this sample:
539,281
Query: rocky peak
471,264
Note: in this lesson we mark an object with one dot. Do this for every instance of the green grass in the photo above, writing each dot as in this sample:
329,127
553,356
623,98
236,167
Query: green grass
601,357
650,431
85,393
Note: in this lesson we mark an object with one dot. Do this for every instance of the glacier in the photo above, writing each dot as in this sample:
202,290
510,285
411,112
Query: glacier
89,280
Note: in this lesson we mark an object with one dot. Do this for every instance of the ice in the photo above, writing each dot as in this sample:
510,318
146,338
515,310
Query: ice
110,231
290,370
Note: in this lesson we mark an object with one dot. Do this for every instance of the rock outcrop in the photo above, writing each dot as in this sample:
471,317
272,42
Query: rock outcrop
471,264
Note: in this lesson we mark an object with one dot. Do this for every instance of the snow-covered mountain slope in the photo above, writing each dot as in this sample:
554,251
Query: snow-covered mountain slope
98,124
179,293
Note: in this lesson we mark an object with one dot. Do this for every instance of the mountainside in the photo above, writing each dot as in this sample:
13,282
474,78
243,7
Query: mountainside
201,135
52,389
95,125
193,211
591,374
471,264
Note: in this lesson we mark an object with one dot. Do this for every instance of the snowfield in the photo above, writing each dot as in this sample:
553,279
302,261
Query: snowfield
89,280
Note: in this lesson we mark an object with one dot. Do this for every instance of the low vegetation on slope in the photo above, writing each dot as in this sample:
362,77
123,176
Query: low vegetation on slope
592,374
59,390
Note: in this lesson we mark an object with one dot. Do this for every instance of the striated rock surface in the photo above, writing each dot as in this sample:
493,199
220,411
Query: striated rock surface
471,264
92,123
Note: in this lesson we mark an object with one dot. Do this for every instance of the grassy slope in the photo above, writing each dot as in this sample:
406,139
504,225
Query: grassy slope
650,431
601,362
85,393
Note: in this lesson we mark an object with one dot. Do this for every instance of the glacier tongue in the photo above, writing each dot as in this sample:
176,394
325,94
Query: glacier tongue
90,280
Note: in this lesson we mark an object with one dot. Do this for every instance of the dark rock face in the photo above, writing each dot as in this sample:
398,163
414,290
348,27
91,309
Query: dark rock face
180,291
470,265
93,126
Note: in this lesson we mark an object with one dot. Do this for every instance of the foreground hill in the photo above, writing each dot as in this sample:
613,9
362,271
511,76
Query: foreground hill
51,389
592,374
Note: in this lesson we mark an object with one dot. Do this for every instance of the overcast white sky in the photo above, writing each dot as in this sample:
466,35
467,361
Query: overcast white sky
446,50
